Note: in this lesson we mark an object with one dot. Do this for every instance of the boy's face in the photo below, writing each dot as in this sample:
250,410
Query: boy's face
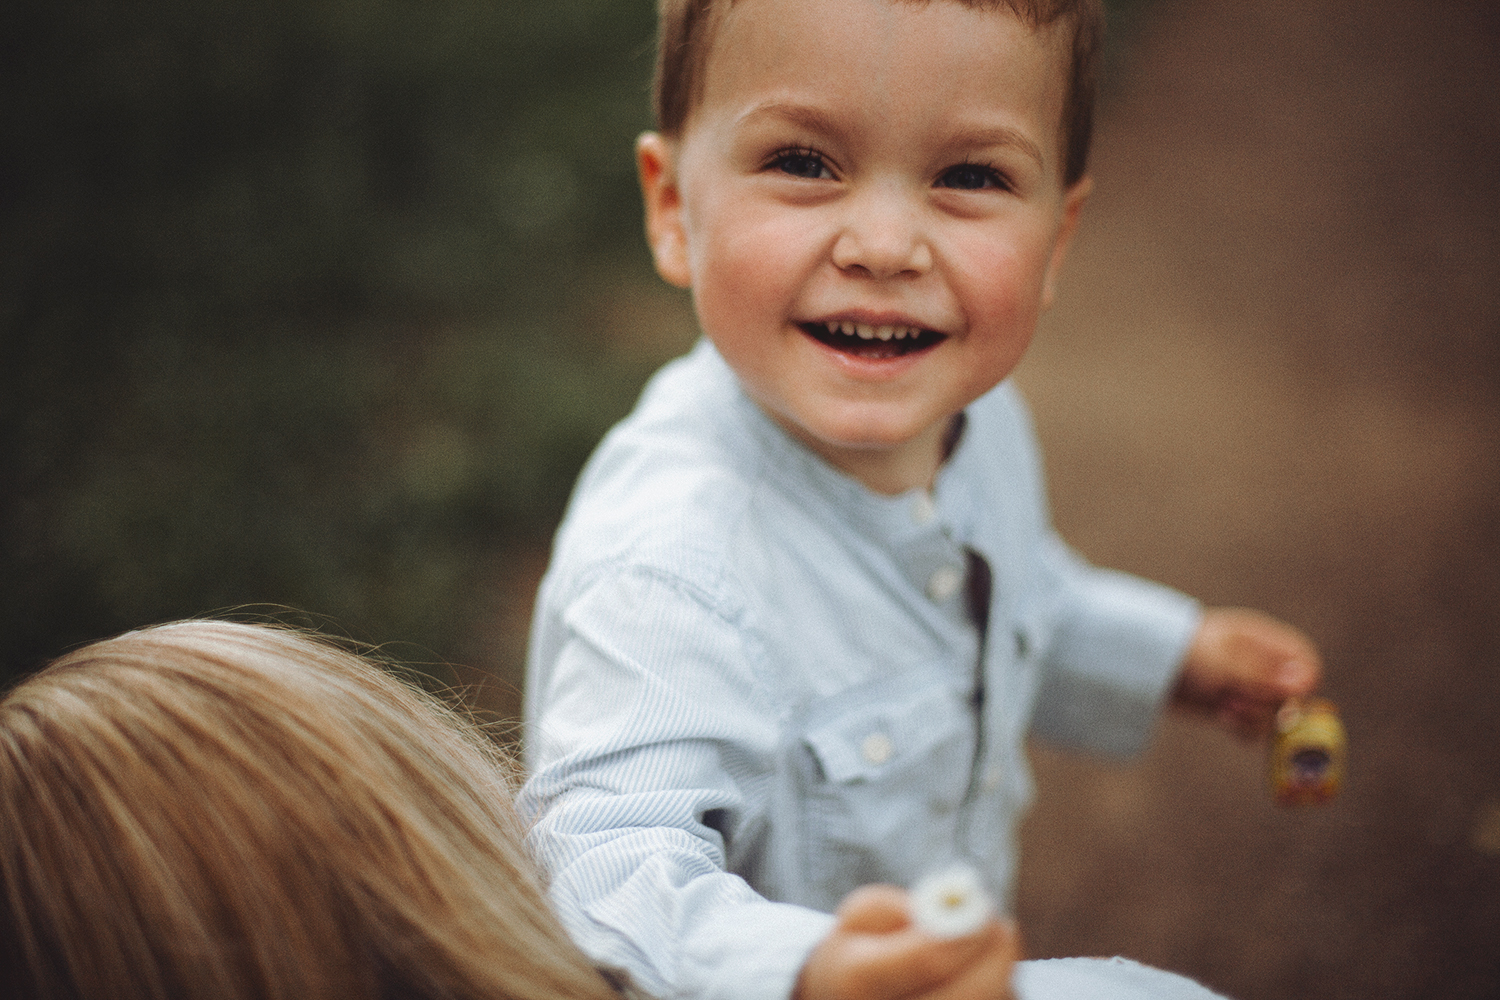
860,167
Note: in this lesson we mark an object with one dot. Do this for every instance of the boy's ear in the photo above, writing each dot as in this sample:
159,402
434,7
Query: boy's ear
1073,202
656,160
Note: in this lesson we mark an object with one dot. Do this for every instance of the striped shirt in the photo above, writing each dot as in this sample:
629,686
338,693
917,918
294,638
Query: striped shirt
755,685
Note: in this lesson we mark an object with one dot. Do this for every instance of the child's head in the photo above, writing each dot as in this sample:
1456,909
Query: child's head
222,810
870,200
686,29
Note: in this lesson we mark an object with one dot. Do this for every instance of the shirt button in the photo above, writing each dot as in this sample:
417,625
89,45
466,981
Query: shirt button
944,583
923,509
877,748
991,780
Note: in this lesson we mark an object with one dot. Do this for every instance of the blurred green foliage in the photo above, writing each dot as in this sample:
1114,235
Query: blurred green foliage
301,301
312,303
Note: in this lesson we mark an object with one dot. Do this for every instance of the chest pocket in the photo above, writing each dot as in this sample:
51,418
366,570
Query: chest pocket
887,770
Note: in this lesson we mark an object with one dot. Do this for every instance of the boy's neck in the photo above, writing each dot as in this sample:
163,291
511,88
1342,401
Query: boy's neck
911,465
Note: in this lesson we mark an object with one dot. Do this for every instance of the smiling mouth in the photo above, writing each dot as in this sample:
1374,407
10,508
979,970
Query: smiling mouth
865,340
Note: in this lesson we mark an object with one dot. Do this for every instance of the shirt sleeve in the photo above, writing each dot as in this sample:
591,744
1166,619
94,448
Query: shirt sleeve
1114,653
1113,643
652,744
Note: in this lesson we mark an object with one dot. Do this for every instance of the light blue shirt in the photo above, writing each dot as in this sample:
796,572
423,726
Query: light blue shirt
1102,979
752,679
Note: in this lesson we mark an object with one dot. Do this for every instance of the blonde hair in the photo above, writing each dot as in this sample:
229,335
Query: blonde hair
686,30
216,809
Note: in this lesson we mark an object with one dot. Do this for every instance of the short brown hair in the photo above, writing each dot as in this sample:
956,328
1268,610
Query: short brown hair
225,810
686,28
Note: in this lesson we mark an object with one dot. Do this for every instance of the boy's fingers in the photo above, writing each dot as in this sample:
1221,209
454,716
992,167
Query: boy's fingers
875,909
1298,670
1250,656
1243,665
989,977
875,953
909,963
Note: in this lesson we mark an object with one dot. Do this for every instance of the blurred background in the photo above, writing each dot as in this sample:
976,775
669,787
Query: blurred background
321,305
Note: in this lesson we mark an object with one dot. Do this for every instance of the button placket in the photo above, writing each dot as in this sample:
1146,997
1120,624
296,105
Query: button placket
944,582
876,748
923,507
932,561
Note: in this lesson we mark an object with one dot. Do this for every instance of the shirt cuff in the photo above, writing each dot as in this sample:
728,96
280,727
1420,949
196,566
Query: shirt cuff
757,955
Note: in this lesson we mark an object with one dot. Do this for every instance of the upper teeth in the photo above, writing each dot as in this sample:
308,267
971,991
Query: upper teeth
865,331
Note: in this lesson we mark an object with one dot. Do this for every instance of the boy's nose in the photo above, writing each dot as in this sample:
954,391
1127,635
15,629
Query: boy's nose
881,237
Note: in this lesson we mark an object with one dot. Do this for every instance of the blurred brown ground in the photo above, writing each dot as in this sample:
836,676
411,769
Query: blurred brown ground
1271,380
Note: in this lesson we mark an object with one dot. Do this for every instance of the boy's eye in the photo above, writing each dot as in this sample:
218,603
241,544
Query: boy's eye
802,163
971,177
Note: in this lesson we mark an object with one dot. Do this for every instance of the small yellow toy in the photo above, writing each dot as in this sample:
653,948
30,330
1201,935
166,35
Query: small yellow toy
1307,754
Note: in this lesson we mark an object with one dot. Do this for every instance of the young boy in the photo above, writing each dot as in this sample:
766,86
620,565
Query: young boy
806,604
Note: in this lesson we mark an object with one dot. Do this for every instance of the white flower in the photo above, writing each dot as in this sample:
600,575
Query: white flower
951,902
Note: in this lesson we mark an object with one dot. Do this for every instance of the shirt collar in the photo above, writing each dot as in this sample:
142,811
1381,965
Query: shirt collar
892,521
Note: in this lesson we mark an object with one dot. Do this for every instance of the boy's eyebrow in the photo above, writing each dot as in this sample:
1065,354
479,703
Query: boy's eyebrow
815,120
1000,135
809,118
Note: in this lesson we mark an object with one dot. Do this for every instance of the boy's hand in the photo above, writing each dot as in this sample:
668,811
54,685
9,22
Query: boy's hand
874,953
1241,666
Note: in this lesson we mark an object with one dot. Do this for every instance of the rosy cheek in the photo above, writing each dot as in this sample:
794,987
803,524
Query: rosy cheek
756,265
1006,273
730,292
